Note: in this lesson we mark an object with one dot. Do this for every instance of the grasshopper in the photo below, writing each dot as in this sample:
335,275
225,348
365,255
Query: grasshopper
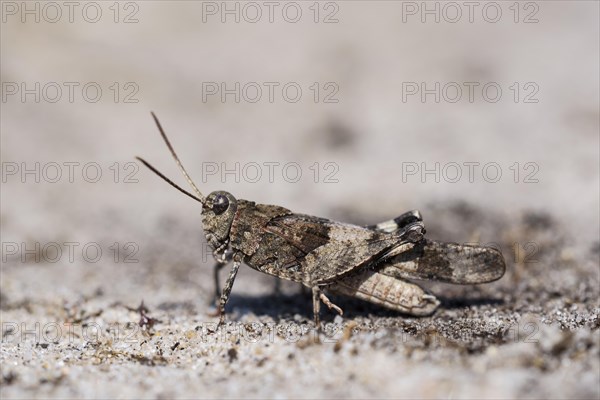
372,263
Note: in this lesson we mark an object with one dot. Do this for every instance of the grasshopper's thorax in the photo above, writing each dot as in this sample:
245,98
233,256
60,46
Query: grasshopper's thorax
251,225
218,213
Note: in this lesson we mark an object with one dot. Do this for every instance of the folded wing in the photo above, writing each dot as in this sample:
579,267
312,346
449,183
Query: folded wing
446,262
331,248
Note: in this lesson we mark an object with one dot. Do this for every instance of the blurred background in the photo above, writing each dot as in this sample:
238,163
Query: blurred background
362,115
352,110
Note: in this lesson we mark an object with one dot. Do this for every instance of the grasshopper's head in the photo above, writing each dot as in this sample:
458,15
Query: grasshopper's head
218,211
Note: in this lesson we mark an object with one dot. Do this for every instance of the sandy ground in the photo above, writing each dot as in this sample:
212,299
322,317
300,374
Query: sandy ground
73,322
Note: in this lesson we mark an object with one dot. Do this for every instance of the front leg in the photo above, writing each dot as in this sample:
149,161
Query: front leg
216,269
222,257
227,288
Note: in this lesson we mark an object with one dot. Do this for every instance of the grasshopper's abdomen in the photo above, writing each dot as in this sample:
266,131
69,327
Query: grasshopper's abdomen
383,290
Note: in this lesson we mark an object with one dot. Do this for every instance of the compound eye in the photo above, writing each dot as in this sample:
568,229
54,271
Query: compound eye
220,204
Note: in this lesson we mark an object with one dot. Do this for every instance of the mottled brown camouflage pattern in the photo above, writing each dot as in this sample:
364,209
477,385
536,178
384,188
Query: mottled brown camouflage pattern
369,262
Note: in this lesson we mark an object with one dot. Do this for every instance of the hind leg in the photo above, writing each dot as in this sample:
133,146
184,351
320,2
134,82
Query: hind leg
393,225
393,293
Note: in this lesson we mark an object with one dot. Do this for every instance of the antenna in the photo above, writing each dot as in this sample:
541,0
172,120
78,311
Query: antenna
183,171
147,164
